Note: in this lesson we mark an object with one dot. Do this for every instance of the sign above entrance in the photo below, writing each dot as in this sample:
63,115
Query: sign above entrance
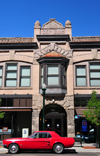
4,129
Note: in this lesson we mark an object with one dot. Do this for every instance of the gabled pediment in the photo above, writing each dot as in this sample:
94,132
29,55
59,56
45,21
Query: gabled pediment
52,54
52,23
53,48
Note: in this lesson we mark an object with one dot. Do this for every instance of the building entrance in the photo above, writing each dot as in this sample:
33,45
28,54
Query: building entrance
55,119
55,122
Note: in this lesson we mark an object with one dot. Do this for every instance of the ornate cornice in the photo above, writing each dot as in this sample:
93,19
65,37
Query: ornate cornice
52,47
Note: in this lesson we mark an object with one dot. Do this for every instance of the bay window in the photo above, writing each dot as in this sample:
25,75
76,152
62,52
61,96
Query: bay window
53,74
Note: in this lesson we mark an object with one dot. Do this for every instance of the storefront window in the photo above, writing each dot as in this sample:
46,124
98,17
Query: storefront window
84,129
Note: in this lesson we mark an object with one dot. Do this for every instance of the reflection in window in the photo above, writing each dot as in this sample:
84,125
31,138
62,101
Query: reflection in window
11,75
95,74
80,75
25,76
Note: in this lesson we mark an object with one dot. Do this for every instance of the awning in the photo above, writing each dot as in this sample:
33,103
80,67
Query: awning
16,109
79,111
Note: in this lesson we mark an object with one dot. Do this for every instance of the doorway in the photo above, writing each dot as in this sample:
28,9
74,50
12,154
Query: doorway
55,119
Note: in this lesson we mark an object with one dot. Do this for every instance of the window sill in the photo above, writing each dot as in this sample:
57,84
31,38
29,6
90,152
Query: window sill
86,88
54,91
16,88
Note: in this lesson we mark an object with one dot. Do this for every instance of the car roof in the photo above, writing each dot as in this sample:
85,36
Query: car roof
53,133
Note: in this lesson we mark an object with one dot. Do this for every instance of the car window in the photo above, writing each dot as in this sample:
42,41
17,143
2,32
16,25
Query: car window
42,135
49,135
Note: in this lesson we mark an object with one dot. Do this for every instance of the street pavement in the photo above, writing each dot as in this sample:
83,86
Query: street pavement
76,149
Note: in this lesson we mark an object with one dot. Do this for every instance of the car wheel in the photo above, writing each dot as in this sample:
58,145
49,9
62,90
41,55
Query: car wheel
13,148
58,148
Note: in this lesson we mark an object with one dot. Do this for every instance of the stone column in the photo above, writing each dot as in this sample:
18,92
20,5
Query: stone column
70,122
35,119
69,107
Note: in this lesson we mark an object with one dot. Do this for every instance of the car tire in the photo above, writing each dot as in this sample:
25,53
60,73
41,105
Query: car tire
58,148
13,148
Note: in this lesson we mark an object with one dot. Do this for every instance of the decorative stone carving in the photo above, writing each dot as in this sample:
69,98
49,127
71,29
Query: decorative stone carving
52,27
37,24
94,53
53,31
11,54
52,23
68,23
53,47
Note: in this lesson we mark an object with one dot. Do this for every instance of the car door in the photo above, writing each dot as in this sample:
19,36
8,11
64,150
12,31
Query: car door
39,141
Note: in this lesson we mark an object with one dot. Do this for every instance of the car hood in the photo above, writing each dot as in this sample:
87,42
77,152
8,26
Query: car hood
14,139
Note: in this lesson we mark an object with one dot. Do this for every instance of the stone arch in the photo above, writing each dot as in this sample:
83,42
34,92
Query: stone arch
55,115
85,57
17,57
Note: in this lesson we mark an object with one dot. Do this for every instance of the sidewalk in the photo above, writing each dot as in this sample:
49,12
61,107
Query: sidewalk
86,147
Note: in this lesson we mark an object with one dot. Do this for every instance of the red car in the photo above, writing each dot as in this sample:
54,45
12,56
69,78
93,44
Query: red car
39,140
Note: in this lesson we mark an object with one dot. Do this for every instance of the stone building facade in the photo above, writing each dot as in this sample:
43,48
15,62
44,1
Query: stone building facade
70,68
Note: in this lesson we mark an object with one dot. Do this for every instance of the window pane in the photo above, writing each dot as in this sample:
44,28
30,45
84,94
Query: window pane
64,73
53,80
94,66
95,82
16,103
29,102
41,81
81,81
0,71
81,71
22,102
25,71
95,74
9,102
11,75
0,81
25,82
42,71
11,67
10,83
53,70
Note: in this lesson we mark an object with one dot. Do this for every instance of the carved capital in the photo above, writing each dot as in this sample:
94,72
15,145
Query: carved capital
94,53
11,54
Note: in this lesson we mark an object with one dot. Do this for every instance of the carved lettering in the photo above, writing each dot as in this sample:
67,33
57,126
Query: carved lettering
53,32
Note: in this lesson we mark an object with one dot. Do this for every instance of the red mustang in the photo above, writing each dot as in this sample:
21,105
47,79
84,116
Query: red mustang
39,140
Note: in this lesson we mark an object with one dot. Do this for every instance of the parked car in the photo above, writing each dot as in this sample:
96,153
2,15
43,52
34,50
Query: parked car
39,140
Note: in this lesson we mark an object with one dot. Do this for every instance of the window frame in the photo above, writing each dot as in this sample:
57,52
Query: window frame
24,76
1,76
7,71
93,70
53,75
80,75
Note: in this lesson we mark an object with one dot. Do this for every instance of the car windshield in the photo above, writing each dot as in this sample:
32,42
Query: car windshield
32,135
